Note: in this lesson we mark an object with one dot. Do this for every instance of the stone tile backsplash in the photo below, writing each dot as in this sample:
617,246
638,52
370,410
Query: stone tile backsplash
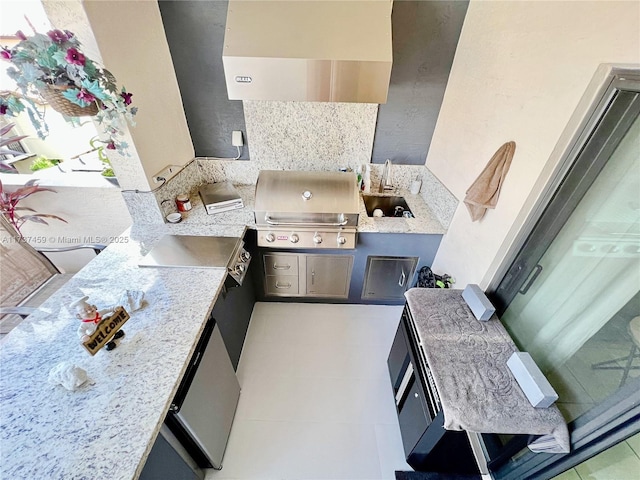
310,135
306,136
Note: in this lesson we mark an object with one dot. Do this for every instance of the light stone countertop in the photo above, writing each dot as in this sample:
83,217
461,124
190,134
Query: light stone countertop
106,429
425,221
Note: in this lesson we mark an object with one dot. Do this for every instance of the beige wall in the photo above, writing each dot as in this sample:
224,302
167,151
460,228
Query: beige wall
94,211
520,70
133,46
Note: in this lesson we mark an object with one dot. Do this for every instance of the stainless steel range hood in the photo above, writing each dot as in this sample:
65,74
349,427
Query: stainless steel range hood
308,50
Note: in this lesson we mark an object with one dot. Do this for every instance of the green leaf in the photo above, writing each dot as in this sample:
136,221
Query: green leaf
90,68
95,89
72,95
40,40
30,72
39,125
59,57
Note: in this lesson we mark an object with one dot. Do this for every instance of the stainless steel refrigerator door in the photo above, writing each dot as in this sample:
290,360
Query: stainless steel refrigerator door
209,407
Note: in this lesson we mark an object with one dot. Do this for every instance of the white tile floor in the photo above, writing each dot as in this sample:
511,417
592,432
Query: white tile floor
316,398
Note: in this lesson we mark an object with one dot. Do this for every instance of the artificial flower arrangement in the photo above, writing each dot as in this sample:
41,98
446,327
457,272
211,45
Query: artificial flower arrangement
53,67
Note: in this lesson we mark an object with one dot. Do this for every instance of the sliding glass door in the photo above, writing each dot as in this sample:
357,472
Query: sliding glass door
571,297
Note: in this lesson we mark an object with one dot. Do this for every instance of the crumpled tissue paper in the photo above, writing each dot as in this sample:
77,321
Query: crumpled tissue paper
68,375
132,300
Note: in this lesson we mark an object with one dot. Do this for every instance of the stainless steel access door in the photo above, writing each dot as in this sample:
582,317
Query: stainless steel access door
387,278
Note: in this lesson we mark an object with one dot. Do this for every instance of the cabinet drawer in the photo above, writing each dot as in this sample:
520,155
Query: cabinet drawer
412,418
284,285
281,264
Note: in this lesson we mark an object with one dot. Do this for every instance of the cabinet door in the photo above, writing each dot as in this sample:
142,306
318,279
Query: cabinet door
328,275
388,277
398,360
412,418
233,314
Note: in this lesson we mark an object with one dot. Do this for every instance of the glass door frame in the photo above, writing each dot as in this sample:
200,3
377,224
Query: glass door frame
618,417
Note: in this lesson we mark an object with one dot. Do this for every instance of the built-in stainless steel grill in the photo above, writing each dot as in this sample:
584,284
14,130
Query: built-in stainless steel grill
306,209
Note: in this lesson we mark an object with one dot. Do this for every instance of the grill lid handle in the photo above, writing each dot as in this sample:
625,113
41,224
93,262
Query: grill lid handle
271,221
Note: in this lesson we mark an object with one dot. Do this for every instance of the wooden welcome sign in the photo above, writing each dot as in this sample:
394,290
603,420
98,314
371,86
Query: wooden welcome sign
105,330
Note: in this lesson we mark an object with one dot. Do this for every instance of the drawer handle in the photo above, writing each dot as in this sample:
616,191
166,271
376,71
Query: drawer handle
402,279
284,285
281,267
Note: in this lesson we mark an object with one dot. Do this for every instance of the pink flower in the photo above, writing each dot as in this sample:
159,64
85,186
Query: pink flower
85,96
21,35
75,57
5,53
126,97
111,145
57,36
3,109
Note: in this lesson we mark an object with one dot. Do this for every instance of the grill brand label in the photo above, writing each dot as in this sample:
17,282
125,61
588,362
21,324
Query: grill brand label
283,237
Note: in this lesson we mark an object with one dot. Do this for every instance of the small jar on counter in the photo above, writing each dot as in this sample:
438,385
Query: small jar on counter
183,203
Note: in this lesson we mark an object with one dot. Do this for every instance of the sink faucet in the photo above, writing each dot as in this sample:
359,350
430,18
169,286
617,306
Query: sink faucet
386,182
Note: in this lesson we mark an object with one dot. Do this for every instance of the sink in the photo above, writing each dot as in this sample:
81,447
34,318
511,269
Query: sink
386,204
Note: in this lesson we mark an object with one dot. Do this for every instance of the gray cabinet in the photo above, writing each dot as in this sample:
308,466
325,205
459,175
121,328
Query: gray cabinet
307,275
281,274
282,279
428,446
328,275
388,277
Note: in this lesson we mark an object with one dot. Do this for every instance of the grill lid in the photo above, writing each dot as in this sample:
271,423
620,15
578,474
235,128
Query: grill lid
299,194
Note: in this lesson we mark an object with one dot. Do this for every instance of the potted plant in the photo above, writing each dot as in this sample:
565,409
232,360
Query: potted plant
9,201
53,67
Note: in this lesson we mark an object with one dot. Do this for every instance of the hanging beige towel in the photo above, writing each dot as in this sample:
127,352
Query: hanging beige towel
484,192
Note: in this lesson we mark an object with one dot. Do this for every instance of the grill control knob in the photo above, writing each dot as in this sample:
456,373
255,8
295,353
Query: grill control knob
270,237
294,238
317,239
341,240
239,269
245,256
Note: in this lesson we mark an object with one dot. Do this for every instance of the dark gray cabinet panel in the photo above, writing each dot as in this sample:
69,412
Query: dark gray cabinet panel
195,34
169,460
234,307
412,419
233,313
425,36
